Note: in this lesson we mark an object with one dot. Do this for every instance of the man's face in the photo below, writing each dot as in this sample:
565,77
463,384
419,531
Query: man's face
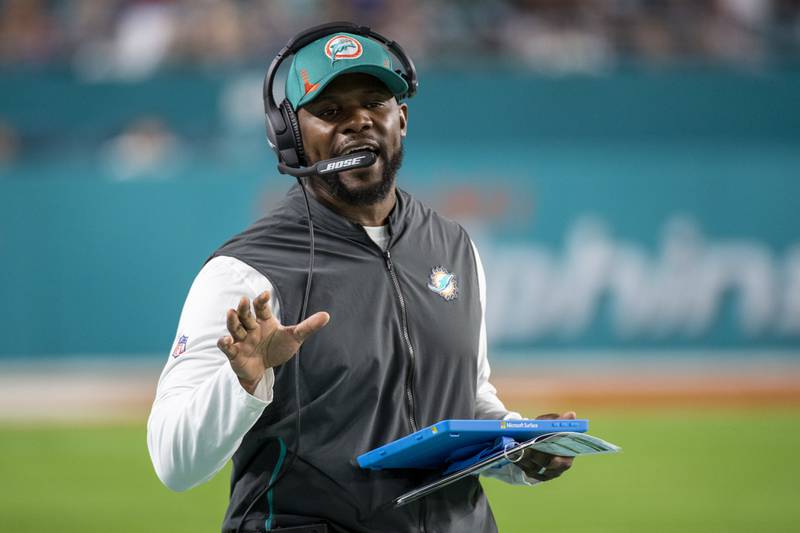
356,112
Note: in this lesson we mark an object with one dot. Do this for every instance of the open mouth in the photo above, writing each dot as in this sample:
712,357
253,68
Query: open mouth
362,148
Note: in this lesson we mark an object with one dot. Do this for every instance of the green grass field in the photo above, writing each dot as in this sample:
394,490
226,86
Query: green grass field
689,470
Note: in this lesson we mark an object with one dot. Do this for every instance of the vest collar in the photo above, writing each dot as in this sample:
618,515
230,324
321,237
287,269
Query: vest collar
326,218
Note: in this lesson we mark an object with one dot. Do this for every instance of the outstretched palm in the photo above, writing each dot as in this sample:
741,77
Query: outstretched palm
259,342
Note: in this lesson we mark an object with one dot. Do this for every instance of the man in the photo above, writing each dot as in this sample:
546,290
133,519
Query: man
395,340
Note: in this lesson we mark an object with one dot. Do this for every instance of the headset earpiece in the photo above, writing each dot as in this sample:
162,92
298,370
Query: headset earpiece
275,126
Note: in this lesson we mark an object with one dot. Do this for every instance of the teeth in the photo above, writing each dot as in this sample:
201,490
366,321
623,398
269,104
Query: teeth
361,148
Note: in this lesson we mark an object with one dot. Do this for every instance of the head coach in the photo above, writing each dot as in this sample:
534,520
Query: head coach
385,296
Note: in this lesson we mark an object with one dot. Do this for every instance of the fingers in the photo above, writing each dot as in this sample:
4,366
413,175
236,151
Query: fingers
228,347
558,465
535,464
310,325
246,317
544,467
569,415
235,327
261,306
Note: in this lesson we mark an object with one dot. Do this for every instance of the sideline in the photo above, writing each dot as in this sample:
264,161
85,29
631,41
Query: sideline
122,388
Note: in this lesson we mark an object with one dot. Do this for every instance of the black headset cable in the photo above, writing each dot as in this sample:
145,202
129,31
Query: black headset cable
303,312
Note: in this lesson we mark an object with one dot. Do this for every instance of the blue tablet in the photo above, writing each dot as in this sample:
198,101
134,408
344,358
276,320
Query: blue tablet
451,440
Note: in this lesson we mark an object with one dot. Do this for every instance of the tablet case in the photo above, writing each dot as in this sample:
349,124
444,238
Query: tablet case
450,441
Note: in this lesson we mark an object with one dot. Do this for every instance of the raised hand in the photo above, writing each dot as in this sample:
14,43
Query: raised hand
259,342
543,466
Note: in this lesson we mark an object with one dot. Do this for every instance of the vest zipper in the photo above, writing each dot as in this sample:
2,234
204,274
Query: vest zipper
410,377
404,322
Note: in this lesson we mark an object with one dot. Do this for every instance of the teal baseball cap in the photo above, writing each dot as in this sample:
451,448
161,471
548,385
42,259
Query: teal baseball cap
317,64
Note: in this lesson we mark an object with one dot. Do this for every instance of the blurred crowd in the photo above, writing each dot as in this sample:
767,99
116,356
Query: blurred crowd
133,38
130,40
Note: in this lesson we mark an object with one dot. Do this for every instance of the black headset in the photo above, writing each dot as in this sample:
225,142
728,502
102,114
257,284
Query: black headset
283,130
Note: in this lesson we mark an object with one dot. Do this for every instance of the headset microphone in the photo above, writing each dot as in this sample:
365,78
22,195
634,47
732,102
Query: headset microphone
328,166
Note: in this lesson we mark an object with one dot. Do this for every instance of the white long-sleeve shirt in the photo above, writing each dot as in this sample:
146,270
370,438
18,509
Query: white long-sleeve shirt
201,412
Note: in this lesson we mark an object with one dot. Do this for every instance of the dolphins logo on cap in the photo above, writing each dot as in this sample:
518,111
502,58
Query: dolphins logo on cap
343,47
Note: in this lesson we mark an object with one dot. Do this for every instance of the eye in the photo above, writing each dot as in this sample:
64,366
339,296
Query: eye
374,104
327,112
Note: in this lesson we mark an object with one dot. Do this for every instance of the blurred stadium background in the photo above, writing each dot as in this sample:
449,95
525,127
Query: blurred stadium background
629,170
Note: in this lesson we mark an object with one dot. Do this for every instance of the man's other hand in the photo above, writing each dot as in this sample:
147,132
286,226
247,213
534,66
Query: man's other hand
259,342
543,466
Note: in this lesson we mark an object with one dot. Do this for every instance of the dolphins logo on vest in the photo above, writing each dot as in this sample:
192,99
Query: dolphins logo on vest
342,47
443,283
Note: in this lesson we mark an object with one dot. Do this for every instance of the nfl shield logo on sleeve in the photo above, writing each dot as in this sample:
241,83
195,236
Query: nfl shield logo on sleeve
180,346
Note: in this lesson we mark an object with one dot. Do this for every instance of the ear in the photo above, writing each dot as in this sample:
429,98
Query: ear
304,118
403,110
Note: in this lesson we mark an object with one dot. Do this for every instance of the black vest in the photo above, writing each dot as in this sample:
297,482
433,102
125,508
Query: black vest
396,356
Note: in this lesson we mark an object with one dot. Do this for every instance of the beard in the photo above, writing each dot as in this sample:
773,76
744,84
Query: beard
367,195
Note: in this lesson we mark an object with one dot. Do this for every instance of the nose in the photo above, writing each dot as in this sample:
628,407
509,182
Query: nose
357,121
